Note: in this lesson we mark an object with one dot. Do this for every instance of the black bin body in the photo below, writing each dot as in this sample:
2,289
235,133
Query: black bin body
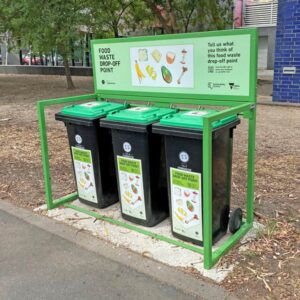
136,141
99,142
188,142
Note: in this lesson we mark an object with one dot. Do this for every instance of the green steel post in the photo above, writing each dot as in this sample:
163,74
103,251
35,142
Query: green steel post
251,165
207,193
43,138
45,154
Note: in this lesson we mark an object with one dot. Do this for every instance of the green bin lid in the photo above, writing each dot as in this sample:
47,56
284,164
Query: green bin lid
194,119
140,114
91,110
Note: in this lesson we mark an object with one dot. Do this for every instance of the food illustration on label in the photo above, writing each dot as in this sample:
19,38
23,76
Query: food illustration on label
183,52
84,172
180,218
195,217
151,72
187,209
186,193
179,202
190,206
184,69
127,196
182,211
162,66
156,55
166,74
134,189
170,57
143,55
131,187
177,191
139,72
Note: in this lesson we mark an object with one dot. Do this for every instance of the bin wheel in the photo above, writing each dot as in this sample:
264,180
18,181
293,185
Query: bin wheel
235,220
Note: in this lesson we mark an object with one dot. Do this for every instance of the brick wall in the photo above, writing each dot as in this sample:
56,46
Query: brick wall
286,87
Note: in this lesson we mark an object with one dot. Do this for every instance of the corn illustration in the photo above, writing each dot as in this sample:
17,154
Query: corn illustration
182,211
139,72
151,72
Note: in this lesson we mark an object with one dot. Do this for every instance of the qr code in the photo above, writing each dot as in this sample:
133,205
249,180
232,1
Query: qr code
210,69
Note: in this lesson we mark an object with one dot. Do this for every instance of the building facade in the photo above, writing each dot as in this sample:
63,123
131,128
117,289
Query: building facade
261,14
286,84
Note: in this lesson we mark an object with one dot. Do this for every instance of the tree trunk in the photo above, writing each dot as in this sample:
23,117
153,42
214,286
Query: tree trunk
42,59
87,52
116,32
52,58
82,52
172,17
72,53
70,83
20,57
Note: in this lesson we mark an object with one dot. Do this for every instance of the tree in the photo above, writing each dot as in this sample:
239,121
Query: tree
186,14
221,13
45,25
192,15
107,16
164,12
56,25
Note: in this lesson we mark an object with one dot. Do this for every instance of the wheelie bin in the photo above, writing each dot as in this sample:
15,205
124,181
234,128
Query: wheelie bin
140,164
91,151
183,147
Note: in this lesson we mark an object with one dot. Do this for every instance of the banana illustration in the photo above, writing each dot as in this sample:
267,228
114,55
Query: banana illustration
139,72
178,216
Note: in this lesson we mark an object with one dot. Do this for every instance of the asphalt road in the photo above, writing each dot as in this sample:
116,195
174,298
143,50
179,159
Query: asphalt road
36,264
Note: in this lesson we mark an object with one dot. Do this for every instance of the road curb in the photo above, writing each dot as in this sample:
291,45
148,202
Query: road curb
168,275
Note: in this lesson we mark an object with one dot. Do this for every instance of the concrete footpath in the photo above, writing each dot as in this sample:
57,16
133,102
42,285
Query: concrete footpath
43,259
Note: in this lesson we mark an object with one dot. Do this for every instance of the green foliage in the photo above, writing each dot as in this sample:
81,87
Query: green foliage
45,25
116,17
192,15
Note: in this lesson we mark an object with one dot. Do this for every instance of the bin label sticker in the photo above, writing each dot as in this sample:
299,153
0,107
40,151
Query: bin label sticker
162,66
138,109
196,113
91,104
184,157
131,187
84,173
78,139
186,203
127,147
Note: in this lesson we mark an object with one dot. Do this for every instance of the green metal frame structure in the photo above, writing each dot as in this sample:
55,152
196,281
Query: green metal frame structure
245,109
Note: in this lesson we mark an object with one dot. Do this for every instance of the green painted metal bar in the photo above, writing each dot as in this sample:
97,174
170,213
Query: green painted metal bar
207,193
251,166
65,199
229,112
84,97
136,229
230,242
45,154
43,139
160,98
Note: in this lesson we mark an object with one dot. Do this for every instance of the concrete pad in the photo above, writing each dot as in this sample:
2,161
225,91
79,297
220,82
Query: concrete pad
121,237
